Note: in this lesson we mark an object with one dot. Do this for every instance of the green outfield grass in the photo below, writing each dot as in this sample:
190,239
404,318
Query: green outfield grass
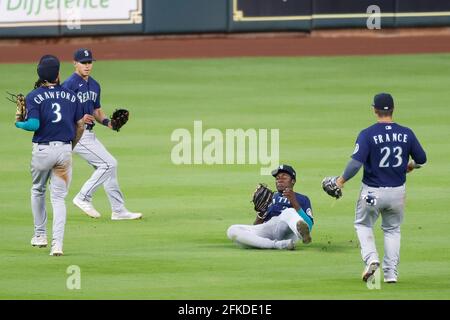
180,250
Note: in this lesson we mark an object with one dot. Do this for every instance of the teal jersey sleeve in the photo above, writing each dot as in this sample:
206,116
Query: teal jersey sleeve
29,125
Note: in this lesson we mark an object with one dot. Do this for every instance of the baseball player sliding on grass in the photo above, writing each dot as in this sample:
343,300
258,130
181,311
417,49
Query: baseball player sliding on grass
90,148
384,149
56,118
283,217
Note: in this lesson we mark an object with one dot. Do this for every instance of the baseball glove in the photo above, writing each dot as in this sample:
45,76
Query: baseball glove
330,186
19,101
262,198
119,118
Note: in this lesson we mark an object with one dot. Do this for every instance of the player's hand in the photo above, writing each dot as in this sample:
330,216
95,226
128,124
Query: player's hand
290,195
340,182
89,119
410,167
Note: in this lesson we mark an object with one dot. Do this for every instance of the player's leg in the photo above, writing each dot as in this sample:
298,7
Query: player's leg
297,224
284,234
115,195
61,177
116,199
257,236
93,151
392,218
366,216
40,173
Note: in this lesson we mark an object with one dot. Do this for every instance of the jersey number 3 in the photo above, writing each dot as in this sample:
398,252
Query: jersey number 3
57,111
386,152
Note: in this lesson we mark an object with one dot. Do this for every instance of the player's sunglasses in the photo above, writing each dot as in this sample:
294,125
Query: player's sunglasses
86,62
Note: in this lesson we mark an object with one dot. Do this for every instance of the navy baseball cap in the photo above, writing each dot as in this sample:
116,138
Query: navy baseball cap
83,55
383,101
286,169
48,68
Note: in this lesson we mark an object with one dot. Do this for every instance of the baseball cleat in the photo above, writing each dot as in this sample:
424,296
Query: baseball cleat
284,244
87,208
370,270
39,241
291,245
390,280
56,250
303,230
126,216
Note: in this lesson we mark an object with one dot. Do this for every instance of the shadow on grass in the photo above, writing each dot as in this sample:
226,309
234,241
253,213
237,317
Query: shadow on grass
331,247
322,246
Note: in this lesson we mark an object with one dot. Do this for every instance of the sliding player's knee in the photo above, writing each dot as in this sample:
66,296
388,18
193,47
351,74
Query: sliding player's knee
232,232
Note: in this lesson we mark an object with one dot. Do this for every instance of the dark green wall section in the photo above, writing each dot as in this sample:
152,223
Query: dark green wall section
270,15
23,32
185,16
423,6
322,8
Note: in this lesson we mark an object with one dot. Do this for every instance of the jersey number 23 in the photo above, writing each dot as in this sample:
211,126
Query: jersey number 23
386,153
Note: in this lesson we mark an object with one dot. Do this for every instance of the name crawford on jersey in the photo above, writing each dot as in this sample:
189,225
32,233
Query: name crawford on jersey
54,95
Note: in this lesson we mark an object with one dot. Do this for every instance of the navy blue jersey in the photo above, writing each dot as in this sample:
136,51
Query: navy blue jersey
88,92
384,149
279,203
57,110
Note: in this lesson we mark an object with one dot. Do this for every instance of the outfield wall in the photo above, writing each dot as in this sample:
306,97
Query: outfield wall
53,18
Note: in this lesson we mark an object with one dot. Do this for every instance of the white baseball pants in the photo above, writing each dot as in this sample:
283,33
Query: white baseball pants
105,165
50,162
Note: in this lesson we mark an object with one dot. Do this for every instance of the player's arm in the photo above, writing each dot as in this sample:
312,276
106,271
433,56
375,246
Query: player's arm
419,157
32,122
79,124
290,195
29,125
78,132
101,117
358,157
350,171
412,165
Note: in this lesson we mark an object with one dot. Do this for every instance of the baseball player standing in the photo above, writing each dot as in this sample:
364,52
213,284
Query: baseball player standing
287,219
55,117
90,148
384,149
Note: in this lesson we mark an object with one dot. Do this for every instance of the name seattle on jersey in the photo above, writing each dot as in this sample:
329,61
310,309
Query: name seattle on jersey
88,92
84,97
39,98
